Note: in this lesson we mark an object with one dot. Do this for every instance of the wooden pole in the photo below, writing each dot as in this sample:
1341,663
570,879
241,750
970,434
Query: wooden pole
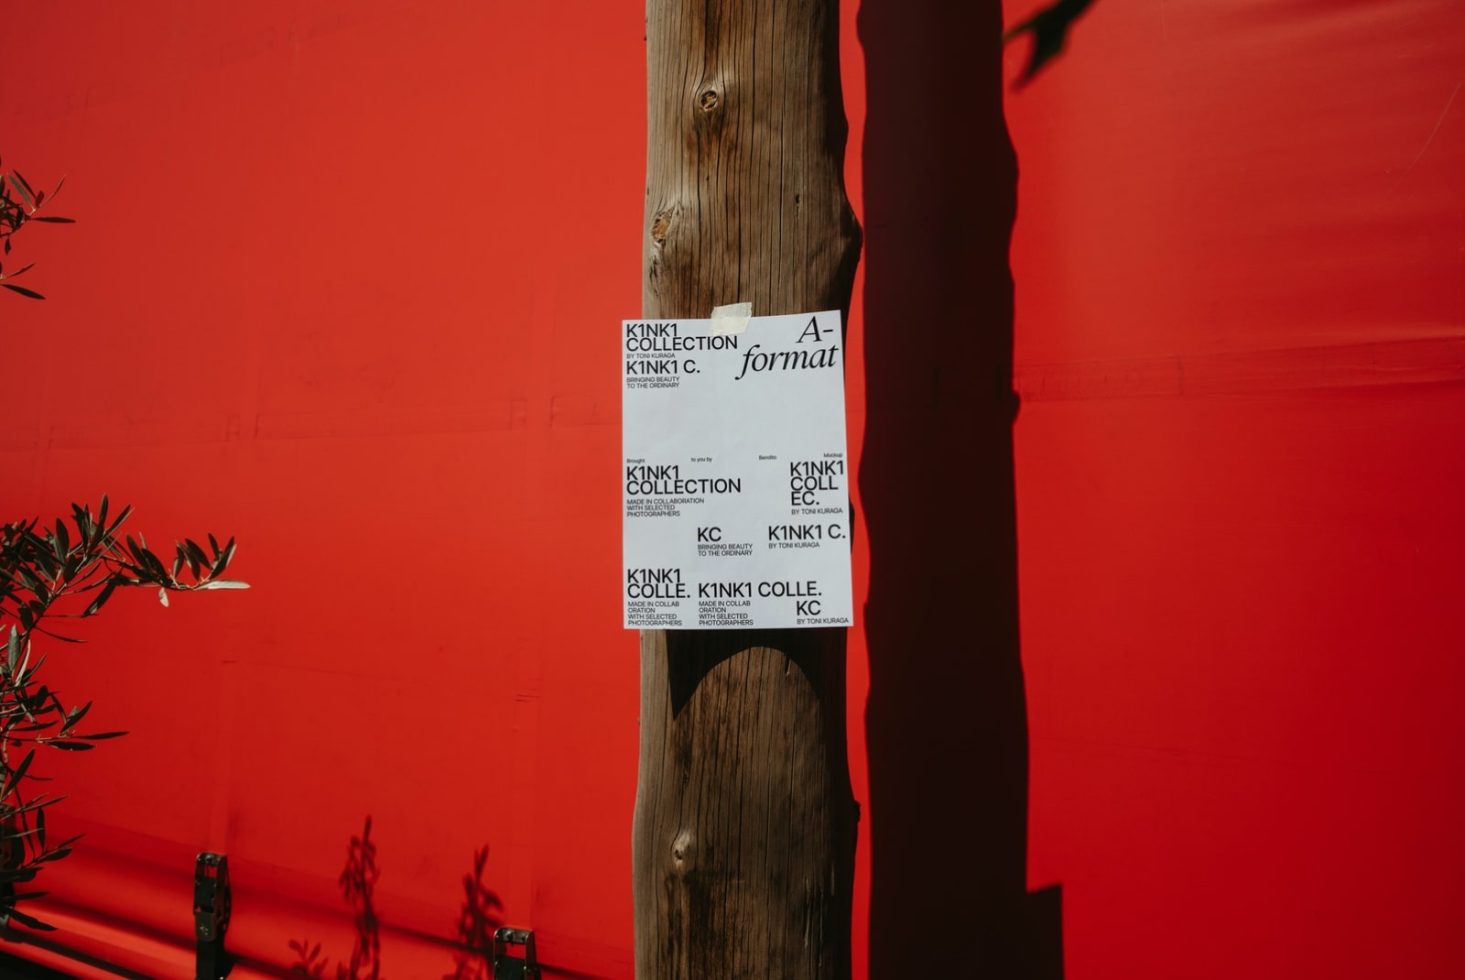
743,843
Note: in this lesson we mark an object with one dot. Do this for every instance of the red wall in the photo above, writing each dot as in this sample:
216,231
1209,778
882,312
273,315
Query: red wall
344,283
1240,267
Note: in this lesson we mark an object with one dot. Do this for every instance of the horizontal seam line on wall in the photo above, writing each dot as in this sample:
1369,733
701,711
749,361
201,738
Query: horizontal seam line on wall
1427,360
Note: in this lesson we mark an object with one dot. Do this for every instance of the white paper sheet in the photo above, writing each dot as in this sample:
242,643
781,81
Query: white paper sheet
735,478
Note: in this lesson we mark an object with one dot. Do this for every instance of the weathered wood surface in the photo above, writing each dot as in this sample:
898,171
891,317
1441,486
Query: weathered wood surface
744,826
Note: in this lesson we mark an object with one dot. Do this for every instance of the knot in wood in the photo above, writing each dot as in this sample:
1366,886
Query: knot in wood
661,226
709,99
681,850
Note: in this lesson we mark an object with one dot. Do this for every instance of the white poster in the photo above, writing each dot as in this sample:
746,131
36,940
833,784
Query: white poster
735,477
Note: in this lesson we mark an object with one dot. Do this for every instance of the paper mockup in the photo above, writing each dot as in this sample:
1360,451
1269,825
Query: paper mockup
735,478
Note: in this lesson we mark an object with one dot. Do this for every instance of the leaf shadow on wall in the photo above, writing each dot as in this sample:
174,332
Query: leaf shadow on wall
358,887
946,722
479,916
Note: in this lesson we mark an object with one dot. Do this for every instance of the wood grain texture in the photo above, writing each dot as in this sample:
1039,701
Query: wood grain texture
745,195
744,827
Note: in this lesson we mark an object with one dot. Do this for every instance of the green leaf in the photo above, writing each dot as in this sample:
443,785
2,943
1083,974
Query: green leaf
122,516
27,896
73,716
17,834
224,559
44,559
22,290
155,565
21,187
61,541
17,874
15,915
12,779
101,598
197,557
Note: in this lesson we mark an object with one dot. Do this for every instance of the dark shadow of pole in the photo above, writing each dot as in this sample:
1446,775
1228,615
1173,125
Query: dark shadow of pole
947,716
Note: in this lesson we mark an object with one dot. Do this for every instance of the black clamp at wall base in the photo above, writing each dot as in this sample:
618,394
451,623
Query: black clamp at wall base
507,966
212,904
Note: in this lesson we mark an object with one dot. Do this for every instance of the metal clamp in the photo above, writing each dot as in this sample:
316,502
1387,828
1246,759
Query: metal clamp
212,904
509,967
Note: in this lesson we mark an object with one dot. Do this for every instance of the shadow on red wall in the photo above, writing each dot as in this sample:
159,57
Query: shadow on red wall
947,717
479,916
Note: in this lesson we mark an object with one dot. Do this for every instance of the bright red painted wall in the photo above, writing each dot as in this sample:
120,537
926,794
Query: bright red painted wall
348,274
1240,267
